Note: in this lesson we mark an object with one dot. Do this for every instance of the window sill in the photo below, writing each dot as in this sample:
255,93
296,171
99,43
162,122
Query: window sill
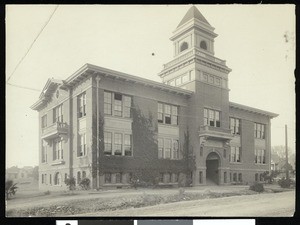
260,164
118,117
119,155
169,125
58,162
236,163
82,156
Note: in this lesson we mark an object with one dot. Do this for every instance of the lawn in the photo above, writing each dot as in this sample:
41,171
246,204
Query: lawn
71,203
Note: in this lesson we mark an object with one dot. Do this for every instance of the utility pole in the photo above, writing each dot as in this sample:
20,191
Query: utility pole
286,154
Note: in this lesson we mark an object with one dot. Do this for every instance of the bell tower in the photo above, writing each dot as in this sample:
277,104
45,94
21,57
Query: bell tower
194,67
194,59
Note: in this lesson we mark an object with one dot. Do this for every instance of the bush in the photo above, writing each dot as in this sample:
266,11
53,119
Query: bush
285,182
47,192
257,187
85,183
70,182
10,188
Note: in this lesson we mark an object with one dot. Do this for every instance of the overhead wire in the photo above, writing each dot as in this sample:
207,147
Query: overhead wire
21,60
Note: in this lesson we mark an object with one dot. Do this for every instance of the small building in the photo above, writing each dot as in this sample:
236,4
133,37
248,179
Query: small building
113,127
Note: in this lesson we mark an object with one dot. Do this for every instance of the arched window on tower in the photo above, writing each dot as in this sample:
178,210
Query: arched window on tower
184,46
203,45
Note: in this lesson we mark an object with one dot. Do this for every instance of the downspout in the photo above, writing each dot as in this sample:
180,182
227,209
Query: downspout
71,133
97,137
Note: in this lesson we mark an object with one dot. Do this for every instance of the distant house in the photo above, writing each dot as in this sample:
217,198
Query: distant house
15,173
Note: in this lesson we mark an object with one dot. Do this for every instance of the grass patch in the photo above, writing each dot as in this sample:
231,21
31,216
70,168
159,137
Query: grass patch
73,207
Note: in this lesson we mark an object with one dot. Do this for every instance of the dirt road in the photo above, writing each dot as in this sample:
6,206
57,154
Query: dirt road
279,204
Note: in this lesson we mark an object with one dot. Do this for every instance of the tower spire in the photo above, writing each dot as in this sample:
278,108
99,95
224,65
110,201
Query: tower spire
193,12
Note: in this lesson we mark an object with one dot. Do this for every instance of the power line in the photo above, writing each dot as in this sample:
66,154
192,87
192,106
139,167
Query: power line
28,88
32,44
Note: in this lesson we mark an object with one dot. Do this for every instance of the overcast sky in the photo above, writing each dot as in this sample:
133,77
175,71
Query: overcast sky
123,38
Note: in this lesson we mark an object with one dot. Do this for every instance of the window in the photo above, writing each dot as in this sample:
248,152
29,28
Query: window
107,178
58,114
83,174
118,105
107,103
225,177
107,143
167,149
167,114
78,177
212,118
240,177
50,179
66,176
175,149
235,126
259,130
43,181
121,104
224,153
160,147
174,115
175,177
161,177
235,154
260,156
234,177
230,177
168,177
217,81
203,45
82,145
127,106
127,145
57,149
57,179
160,113
82,105
118,144
211,79
256,177
184,46
44,121
44,151
118,177
45,178
200,177
261,177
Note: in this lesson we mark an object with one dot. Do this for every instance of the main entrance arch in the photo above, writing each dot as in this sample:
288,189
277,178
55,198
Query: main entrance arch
212,168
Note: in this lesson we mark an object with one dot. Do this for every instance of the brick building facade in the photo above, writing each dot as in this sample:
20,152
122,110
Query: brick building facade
112,127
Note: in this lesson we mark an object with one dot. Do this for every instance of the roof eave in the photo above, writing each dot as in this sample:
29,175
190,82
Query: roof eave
253,110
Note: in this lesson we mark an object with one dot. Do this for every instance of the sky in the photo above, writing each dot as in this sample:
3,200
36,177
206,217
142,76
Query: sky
257,42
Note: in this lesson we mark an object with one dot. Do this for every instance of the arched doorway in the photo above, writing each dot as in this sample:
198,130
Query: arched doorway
212,168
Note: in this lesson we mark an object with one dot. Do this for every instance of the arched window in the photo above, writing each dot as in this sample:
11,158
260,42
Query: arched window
203,45
57,179
78,177
184,46
83,174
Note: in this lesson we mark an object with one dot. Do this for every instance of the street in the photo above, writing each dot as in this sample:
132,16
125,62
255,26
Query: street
260,205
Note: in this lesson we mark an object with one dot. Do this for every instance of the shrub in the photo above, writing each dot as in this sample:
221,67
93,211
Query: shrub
70,182
10,188
257,187
285,182
85,183
47,192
